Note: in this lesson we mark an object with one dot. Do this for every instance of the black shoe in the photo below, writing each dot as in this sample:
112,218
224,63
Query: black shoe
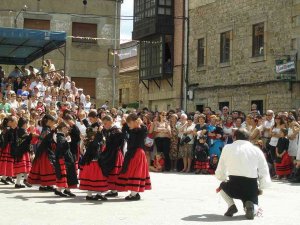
59,193
111,194
49,188
10,180
69,193
91,198
101,197
4,182
231,211
18,186
27,184
41,188
249,210
133,198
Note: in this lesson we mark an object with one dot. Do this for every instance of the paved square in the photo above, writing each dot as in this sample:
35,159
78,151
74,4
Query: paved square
175,199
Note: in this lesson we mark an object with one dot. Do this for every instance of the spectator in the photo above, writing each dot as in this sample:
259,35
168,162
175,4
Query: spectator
15,73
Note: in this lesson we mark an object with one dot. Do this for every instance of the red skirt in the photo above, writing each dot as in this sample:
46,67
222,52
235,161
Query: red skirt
23,165
285,167
92,179
62,182
201,165
6,162
137,176
42,172
114,174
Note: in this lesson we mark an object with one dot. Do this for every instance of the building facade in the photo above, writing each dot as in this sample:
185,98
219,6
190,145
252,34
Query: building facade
128,84
87,59
158,26
234,48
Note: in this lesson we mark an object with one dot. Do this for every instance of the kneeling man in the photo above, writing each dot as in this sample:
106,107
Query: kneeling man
243,171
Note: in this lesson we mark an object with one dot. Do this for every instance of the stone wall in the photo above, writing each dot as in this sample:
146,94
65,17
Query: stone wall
83,59
244,78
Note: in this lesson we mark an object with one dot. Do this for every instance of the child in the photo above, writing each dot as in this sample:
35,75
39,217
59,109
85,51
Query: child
42,172
6,158
201,156
35,139
91,176
135,176
22,165
214,160
66,176
283,160
159,163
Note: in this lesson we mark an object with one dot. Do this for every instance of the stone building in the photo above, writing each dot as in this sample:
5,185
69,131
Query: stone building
128,84
86,60
158,27
234,48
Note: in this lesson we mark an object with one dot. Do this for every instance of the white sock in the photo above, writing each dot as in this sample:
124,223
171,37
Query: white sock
114,191
58,189
133,193
25,176
68,189
99,193
227,199
90,193
4,177
256,208
19,178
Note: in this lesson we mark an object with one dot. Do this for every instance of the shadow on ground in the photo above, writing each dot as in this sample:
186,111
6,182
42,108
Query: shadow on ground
212,218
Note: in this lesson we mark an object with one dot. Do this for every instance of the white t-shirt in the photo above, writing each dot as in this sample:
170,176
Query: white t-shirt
274,140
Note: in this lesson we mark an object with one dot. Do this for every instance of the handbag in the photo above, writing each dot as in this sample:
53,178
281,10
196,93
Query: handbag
185,139
149,142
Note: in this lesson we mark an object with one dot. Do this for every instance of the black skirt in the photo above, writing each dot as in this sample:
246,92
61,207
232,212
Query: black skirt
243,188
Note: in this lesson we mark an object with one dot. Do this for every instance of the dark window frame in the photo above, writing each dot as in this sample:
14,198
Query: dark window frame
258,39
78,40
201,52
225,47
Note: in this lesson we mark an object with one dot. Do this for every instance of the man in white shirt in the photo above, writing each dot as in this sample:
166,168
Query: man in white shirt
87,105
244,164
81,95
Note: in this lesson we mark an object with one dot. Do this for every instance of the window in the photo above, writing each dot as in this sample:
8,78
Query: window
223,104
258,40
225,47
201,52
165,7
87,84
84,30
36,24
120,96
258,104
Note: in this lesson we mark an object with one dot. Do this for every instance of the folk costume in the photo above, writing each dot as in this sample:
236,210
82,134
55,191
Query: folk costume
135,176
65,170
245,165
111,158
91,176
7,155
22,164
201,157
284,165
75,144
42,172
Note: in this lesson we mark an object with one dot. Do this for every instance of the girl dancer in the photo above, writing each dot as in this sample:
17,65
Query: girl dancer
22,163
42,172
135,176
64,162
111,159
6,158
91,176
7,154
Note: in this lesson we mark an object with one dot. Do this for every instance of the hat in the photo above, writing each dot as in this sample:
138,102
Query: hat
80,89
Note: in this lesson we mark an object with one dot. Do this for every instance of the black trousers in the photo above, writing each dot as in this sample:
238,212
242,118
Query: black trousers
163,145
243,188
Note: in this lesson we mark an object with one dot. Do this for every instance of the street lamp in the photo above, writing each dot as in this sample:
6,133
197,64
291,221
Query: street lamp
22,10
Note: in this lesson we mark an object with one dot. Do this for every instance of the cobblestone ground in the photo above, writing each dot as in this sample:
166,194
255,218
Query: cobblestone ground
175,199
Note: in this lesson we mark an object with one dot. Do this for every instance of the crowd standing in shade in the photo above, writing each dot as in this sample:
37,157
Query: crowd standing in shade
52,135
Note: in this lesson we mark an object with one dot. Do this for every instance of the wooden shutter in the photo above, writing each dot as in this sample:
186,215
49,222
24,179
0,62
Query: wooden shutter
37,24
84,30
87,84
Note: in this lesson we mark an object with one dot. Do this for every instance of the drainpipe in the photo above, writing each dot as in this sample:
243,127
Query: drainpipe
186,45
